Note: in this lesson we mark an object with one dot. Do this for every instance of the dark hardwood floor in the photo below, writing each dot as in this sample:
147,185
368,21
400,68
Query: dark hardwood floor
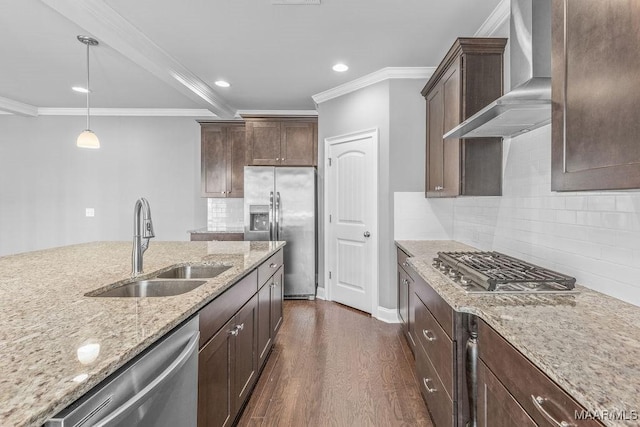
335,366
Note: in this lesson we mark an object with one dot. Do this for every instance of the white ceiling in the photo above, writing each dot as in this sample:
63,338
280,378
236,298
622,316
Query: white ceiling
275,56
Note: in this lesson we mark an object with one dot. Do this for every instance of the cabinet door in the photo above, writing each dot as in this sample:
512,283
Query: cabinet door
244,367
214,396
264,322
298,144
403,297
595,116
264,143
496,406
213,161
236,160
451,147
435,143
277,295
411,321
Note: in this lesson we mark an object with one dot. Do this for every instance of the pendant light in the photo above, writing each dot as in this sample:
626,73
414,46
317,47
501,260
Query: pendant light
88,139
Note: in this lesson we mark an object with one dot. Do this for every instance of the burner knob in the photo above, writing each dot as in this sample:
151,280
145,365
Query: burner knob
453,273
442,267
464,281
435,263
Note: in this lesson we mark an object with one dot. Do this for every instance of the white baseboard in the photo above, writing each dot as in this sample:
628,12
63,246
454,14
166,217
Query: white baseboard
388,315
320,293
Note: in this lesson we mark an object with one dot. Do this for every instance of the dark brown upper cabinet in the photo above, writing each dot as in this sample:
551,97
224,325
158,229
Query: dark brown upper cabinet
468,78
282,141
595,116
223,159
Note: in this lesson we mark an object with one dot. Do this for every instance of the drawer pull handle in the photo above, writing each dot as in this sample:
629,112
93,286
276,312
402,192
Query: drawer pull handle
426,333
273,265
405,282
405,264
538,402
236,330
426,385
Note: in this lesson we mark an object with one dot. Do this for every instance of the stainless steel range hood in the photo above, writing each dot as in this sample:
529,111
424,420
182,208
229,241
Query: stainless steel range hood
528,105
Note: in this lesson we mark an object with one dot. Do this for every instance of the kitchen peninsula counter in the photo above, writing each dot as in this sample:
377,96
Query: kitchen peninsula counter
48,322
587,342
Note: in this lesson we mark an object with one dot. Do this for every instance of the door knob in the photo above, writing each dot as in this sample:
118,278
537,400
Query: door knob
367,234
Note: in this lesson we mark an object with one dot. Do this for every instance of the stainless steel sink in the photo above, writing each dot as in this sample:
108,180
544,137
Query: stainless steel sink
194,272
152,288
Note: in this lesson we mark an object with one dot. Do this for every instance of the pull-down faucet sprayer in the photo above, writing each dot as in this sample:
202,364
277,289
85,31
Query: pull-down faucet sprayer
141,207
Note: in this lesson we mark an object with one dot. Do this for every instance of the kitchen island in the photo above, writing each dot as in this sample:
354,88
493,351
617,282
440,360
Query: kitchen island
586,342
48,321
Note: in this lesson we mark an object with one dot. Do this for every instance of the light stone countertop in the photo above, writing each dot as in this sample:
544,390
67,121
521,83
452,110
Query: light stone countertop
588,343
222,230
46,317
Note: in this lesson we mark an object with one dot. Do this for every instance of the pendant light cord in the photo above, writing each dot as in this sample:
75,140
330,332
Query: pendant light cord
88,90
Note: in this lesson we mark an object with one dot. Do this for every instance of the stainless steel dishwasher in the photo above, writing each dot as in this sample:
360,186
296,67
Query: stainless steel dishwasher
158,388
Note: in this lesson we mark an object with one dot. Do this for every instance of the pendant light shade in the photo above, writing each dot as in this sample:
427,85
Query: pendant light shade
88,139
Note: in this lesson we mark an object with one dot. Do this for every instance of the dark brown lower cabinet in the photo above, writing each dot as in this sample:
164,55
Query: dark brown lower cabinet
237,330
277,295
536,394
496,406
270,298
214,380
227,368
244,363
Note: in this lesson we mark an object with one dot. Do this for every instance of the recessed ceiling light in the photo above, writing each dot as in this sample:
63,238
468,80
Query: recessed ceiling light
341,68
222,83
80,89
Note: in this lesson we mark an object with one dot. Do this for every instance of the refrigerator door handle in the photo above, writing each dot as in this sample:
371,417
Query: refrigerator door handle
271,216
278,208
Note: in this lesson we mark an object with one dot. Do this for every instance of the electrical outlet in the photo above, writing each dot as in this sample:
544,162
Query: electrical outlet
90,212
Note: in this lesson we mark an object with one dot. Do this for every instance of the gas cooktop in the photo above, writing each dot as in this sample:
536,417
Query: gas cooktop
480,272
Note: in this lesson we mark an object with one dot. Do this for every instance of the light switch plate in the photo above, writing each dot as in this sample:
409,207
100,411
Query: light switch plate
90,212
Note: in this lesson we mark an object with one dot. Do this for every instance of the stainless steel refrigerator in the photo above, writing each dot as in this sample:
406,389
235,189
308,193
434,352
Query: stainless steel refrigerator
280,204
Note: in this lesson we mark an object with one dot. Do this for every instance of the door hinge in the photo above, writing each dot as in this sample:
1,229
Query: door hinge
329,161
329,275
329,217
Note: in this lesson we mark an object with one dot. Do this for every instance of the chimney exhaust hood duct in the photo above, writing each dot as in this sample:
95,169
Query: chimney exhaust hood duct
528,105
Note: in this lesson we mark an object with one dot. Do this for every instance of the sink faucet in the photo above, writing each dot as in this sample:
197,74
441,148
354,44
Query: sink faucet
142,207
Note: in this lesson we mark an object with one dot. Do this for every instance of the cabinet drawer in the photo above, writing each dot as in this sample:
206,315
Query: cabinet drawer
438,402
526,382
218,312
496,406
402,258
270,266
436,344
442,312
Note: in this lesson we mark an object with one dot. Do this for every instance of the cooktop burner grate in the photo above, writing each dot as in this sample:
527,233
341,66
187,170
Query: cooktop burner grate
493,271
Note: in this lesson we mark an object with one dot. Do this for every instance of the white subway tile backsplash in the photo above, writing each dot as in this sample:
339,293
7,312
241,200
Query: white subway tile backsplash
594,236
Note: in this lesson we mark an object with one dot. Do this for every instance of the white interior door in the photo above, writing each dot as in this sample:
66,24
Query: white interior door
351,200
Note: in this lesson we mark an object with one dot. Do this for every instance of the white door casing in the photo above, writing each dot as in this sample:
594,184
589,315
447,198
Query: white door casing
351,200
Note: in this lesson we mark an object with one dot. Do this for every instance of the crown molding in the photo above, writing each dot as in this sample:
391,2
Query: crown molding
127,112
10,106
110,28
495,20
373,78
299,113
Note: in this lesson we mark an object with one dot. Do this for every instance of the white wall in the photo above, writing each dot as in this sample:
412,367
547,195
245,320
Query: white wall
397,109
46,182
594,236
